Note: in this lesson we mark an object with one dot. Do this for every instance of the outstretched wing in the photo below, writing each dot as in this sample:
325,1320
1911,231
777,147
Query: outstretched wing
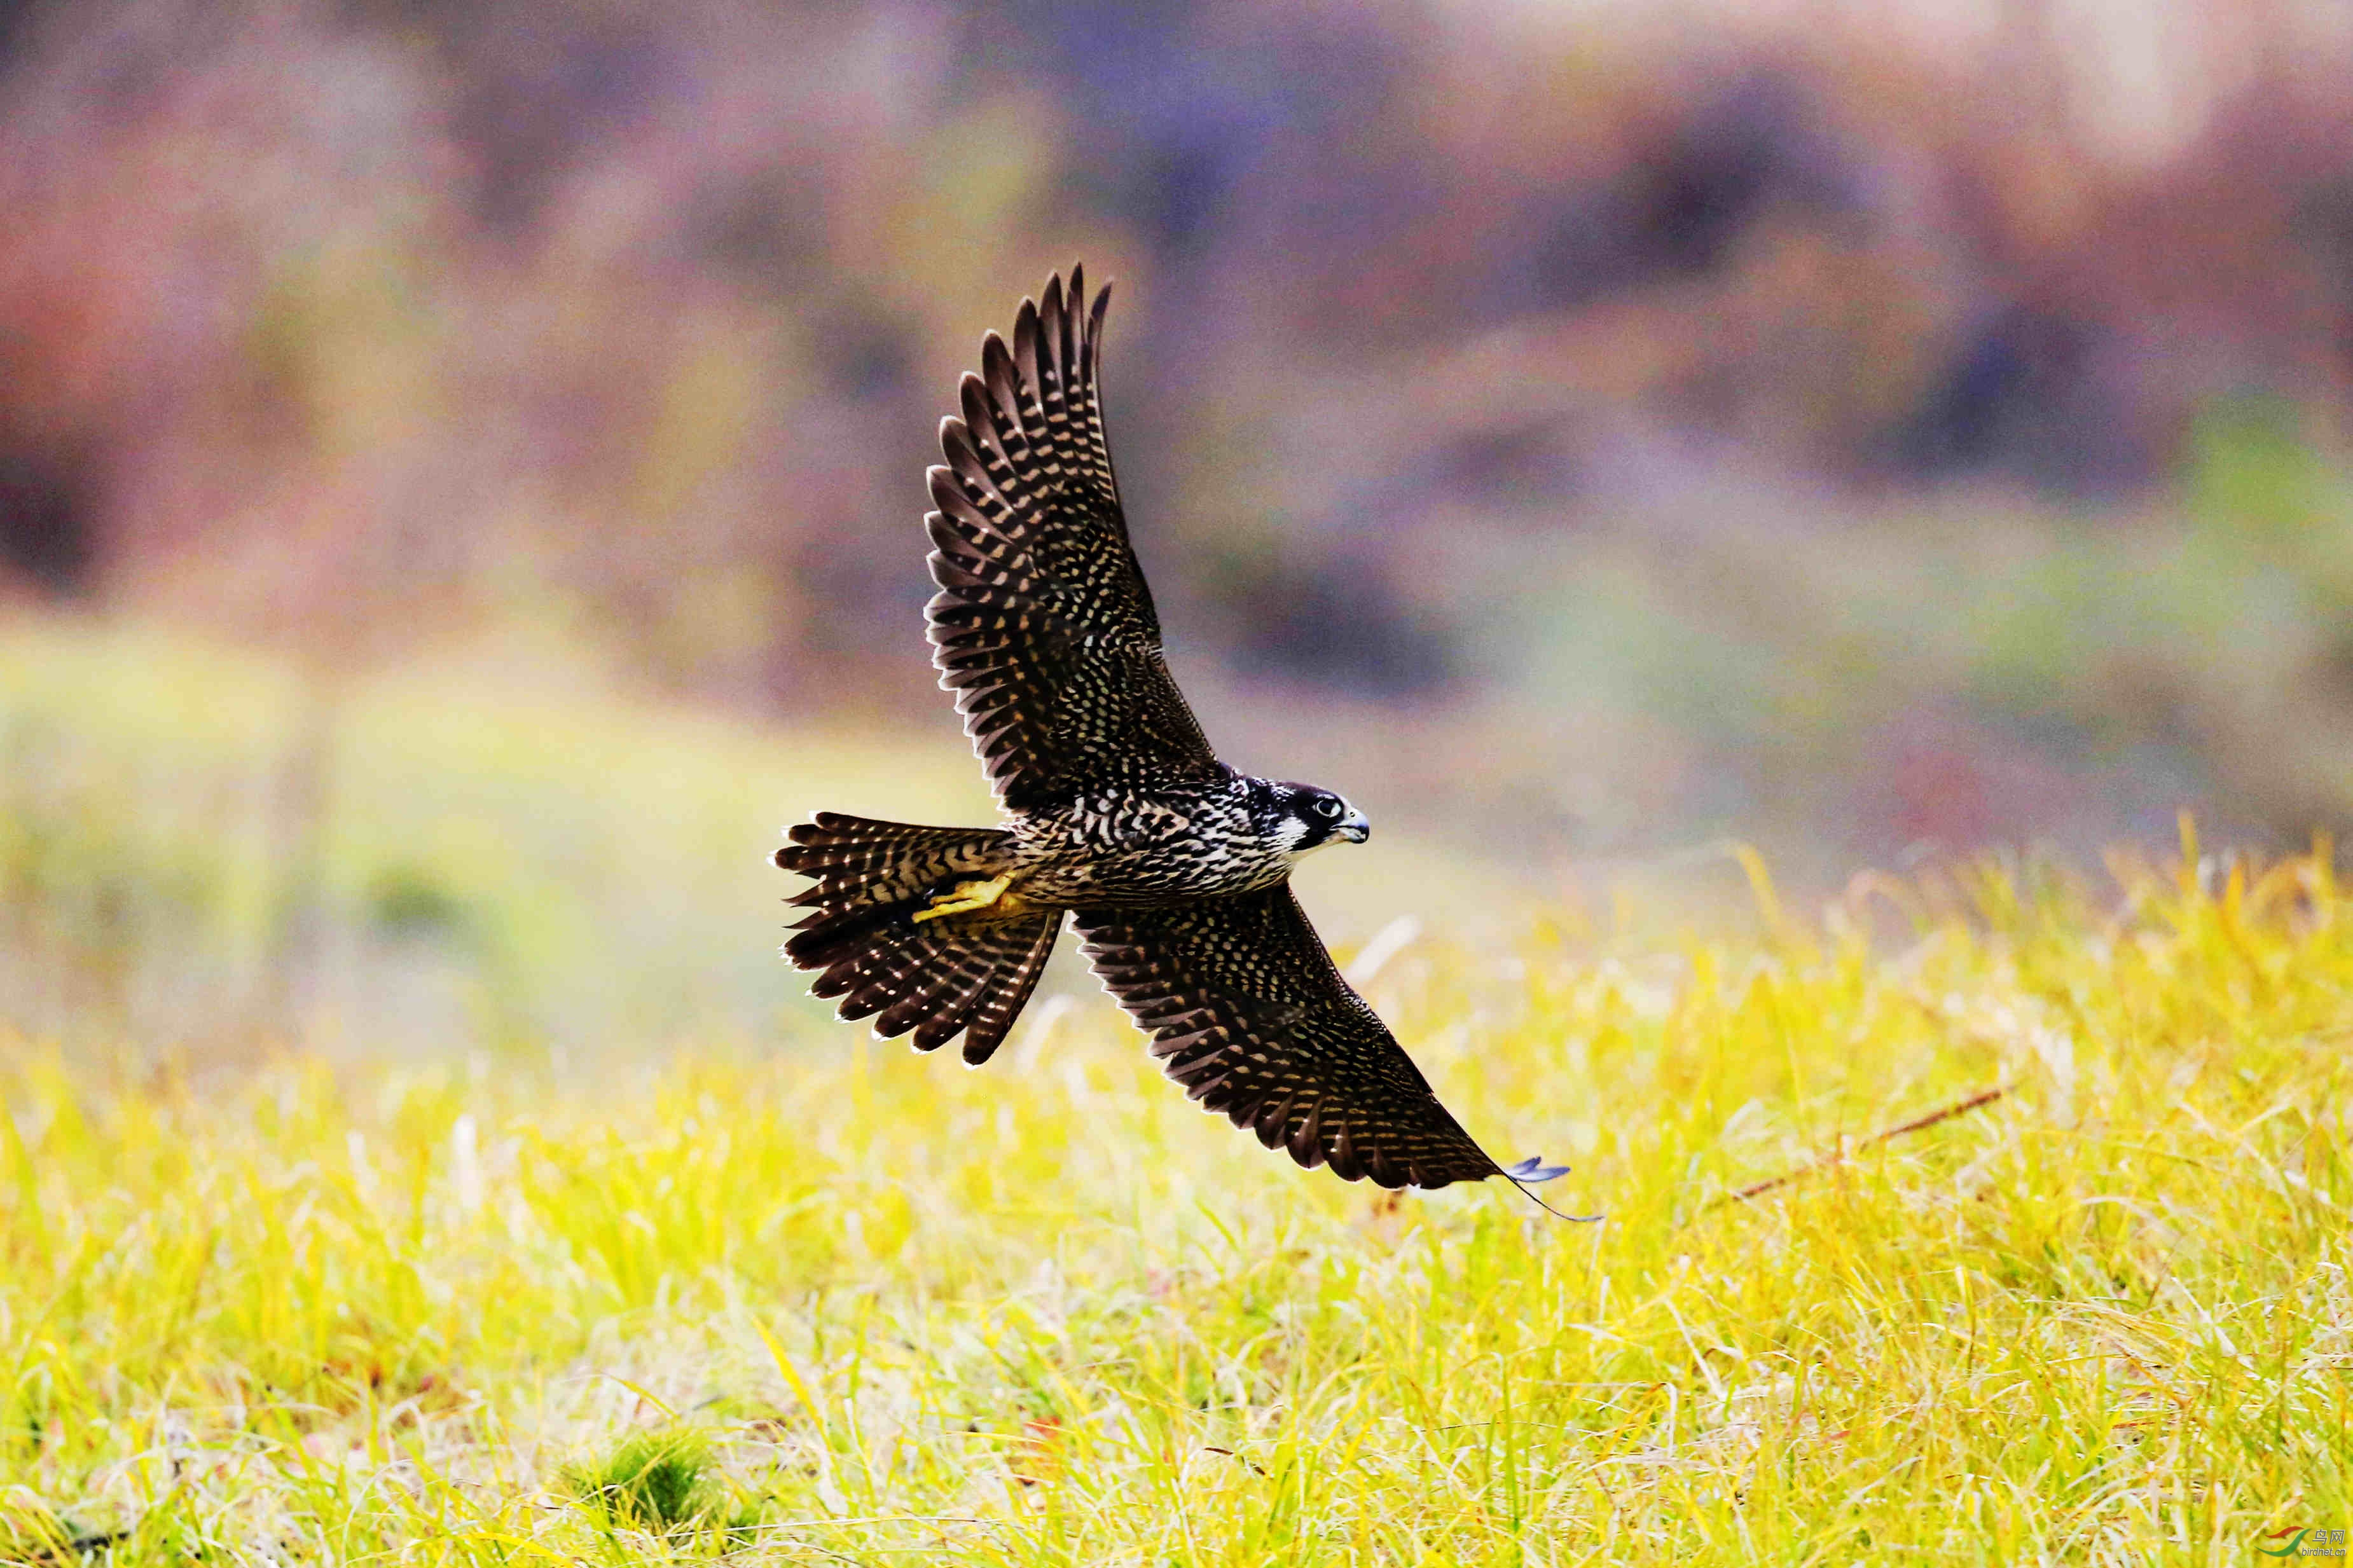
1247,1011
1043,627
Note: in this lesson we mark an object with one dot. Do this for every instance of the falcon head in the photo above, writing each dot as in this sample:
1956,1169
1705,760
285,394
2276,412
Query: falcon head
1300,818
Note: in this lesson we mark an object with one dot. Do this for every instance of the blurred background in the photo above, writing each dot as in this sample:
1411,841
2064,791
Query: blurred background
460,459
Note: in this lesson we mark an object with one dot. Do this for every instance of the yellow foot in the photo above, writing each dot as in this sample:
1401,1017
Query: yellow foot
968,896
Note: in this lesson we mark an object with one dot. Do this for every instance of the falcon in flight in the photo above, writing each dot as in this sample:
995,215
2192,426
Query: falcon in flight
1175,869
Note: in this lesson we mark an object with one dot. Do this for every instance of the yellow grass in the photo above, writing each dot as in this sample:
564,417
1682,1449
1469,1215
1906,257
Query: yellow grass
824,1300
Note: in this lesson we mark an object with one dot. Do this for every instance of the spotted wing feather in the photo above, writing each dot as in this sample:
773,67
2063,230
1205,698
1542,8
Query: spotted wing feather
937,979
1043,625
1247,1011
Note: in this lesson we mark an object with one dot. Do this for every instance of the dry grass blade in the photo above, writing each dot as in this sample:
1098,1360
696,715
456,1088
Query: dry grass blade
1837,1156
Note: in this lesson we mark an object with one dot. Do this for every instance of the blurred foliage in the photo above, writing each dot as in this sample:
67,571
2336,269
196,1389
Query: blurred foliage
1964,673
1619,394
378,859
215,848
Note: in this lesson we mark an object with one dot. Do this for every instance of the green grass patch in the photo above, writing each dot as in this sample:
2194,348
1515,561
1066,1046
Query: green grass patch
661,1483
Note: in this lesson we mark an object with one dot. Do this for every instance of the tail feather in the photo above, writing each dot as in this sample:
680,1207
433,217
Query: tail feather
856,862
965,973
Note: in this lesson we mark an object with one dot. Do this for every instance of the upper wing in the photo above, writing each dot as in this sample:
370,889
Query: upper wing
1248,1012
1043,627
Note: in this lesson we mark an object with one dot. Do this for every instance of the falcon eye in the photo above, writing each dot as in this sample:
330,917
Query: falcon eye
1328,808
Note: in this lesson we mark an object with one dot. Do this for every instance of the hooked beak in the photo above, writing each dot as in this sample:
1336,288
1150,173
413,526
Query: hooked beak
1355,828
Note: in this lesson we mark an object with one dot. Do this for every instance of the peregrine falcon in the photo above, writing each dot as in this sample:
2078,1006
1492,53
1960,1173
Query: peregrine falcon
1174,867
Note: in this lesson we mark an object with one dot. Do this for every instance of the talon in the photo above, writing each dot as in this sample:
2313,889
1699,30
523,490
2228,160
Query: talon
967,897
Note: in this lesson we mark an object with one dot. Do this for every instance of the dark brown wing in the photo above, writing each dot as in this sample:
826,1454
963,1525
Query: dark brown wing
1043,627
1247,1011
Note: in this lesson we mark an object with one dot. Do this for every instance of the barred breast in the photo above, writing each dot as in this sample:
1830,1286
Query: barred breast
1149,847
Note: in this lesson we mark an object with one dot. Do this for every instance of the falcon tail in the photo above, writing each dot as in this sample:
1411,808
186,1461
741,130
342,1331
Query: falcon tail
938,975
